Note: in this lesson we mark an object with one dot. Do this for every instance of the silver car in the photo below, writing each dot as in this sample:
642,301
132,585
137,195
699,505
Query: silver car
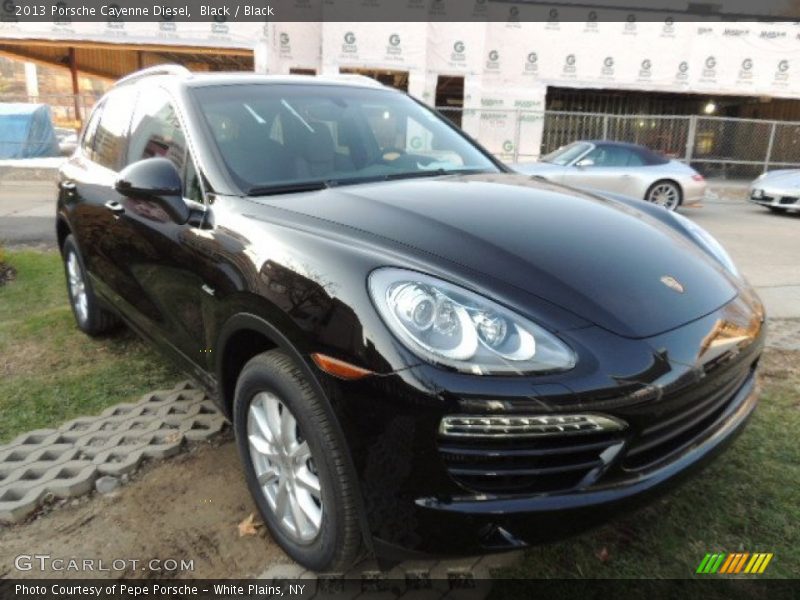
623,168
778,190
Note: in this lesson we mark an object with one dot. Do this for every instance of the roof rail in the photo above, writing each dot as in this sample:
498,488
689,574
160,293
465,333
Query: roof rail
354,78
156,70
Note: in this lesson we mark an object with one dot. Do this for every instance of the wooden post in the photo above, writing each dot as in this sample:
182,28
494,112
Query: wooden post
73,69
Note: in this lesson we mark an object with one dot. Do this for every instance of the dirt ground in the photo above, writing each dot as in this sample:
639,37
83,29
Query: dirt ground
187,507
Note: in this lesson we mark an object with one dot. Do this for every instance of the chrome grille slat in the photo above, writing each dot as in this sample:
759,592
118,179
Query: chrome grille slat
518,453
716,397
530,452
585,466
679,430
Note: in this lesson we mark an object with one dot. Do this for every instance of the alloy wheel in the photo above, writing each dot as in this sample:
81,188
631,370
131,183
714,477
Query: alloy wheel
284,467
666,195
77,287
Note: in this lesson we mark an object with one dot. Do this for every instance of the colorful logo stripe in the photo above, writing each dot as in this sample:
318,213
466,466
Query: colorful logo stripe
734,563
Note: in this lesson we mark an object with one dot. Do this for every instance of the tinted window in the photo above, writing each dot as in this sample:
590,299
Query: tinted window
648,157
191,183
87,144
614,156
566,154
156,132
282,134
109,142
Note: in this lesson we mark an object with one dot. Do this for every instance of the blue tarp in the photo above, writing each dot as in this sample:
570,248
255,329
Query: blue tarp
26,131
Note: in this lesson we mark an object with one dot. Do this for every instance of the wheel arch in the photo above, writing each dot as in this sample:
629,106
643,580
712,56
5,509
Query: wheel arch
62,231
259,335
243,336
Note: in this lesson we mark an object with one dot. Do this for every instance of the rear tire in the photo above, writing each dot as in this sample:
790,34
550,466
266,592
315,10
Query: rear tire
665,193
294,464
90,316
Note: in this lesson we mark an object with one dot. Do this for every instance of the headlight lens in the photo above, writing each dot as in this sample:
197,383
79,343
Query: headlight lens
448,325
709,242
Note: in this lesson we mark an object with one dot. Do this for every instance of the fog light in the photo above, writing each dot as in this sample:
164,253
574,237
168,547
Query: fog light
526,426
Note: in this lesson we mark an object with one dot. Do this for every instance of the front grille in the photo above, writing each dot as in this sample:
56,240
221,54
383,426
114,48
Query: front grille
683,423
528,465
787,200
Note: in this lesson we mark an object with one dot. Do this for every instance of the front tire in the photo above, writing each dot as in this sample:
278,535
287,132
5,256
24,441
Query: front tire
91,318
777,210
665,193
294,464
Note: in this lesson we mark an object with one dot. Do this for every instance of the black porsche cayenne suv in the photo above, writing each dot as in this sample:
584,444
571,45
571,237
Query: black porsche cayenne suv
420,352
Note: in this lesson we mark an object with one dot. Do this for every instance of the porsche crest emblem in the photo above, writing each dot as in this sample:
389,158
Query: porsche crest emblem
673,284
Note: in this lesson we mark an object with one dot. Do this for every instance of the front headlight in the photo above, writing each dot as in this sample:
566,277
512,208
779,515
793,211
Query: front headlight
448,325
709,242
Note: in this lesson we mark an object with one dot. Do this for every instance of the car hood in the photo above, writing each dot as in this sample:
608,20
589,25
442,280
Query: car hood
786,178
595,257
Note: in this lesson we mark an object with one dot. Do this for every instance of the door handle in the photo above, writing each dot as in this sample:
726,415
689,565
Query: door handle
115,207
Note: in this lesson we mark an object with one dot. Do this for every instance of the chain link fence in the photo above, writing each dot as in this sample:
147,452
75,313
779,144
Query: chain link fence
722,147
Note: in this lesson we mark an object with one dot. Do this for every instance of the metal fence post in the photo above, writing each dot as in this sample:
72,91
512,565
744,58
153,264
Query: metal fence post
769,145
690,138
517,134
605,127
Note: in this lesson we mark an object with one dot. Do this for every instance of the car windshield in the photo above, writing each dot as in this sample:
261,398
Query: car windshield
566,154
280,138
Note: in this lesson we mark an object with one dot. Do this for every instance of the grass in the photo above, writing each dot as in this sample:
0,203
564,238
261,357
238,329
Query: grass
50,372
748,500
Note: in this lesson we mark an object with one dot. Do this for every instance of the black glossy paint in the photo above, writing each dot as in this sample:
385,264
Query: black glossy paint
293,269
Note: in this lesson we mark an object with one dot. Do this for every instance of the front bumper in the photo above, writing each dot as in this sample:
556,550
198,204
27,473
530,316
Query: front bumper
469,525
684,394
775,197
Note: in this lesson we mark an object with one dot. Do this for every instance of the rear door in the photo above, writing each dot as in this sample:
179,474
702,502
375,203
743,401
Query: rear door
86,183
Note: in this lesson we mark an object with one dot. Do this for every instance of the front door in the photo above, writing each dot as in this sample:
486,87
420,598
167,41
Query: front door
160,284
607,167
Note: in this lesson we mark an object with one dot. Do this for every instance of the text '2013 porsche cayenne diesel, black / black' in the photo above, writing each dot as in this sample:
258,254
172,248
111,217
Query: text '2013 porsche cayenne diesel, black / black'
420,351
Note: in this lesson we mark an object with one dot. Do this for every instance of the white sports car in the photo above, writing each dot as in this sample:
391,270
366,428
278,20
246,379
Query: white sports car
778,190
623,168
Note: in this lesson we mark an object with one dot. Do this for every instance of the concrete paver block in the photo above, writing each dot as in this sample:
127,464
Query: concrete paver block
65,462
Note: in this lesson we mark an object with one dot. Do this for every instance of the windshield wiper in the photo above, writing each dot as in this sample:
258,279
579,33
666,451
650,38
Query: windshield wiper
313,186
432,173
288,188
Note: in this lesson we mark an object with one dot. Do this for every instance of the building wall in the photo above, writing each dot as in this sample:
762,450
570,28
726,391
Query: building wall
507,65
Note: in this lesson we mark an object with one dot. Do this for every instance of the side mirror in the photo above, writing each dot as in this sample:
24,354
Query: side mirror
155,179
585,162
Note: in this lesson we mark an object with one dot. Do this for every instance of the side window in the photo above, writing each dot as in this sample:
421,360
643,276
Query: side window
156,132
110,138
597,156
87,143
609,156
635,159
191,186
